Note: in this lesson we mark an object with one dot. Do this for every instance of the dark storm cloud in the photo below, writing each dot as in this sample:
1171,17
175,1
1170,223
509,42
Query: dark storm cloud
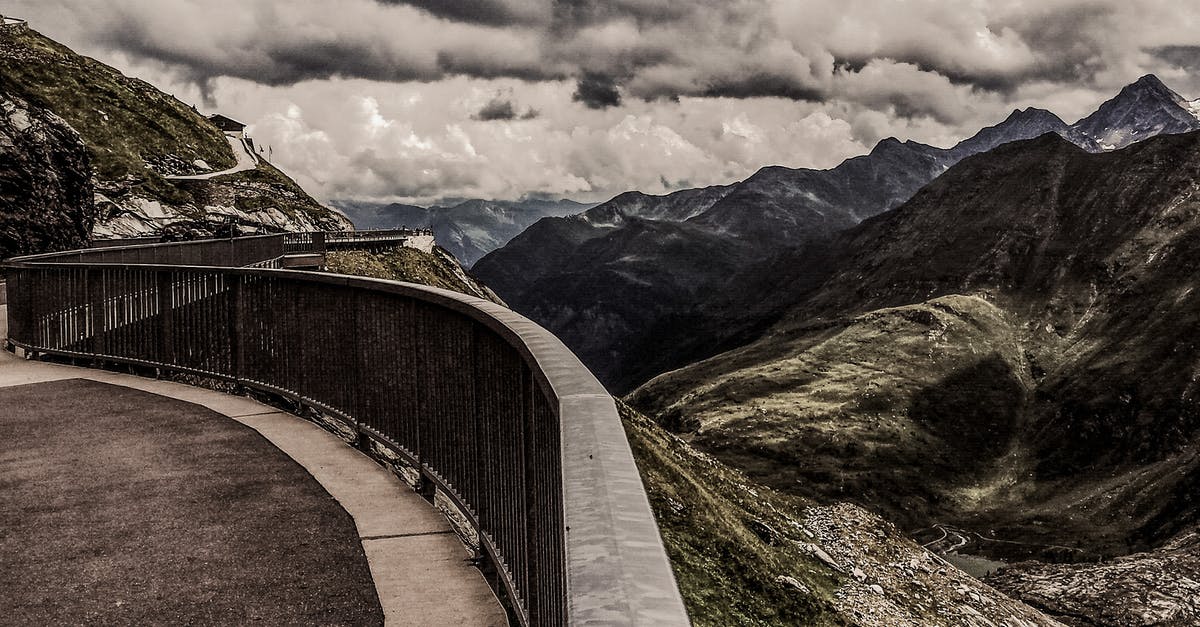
597,91
1061,41
489,12
497,109
574,14
652,49
762,85
1183,57
276,62
1070,41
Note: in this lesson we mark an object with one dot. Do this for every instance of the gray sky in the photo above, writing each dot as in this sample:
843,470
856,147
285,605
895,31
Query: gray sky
412,100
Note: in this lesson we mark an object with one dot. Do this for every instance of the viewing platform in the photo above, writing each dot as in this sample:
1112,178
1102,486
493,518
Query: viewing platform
479,473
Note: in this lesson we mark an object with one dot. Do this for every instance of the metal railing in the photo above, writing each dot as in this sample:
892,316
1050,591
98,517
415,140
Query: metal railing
489,407
240,251
338,240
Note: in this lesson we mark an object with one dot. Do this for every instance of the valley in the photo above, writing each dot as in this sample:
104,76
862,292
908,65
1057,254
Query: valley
468,229
1003,366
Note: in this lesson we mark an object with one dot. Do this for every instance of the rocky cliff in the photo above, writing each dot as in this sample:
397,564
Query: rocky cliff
45,180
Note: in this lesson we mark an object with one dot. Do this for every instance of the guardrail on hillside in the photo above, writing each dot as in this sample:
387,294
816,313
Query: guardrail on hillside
490,408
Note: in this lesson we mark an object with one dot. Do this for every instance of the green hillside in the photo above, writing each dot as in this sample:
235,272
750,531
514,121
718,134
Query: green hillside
126,123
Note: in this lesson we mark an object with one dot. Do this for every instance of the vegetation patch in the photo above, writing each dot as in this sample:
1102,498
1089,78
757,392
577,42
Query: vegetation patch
132,130
736,548
409,265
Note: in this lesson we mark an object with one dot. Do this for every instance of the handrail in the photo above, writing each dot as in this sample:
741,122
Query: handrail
491,408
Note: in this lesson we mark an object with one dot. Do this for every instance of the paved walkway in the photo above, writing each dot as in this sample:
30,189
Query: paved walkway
143,512
246,160
417,564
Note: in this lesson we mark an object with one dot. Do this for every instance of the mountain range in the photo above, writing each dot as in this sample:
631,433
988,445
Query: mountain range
468,229
643,284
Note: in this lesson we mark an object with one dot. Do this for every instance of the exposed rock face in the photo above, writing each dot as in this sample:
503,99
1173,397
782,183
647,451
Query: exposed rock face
1161,587
45,181
1143,109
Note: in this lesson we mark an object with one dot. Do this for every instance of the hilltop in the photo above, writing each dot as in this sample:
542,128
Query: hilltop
137,136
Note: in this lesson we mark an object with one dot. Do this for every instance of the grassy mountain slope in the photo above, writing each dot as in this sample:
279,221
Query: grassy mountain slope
863,394
125,122
137,136
1011,352
744,554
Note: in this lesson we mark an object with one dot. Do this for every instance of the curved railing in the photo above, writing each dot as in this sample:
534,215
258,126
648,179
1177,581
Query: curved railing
490,408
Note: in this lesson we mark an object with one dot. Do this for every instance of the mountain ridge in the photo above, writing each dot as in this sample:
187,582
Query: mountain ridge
760,221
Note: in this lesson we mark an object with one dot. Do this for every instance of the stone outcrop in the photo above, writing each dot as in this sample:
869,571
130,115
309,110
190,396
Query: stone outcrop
45,181
1159,587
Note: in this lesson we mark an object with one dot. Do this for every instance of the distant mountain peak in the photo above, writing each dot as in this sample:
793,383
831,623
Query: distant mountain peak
1149,86
1021,124
1030,114
890,144
1142,109
1149,81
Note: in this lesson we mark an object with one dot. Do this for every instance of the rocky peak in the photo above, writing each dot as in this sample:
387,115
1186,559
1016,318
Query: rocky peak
891,145
1142,109
1021,124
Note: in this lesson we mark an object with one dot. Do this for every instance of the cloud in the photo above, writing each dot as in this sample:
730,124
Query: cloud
597,91
501,108
418,99
490,12
648,49
497,109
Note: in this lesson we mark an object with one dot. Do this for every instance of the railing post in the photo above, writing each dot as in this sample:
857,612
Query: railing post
318,239
166,340
95,289
235,325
